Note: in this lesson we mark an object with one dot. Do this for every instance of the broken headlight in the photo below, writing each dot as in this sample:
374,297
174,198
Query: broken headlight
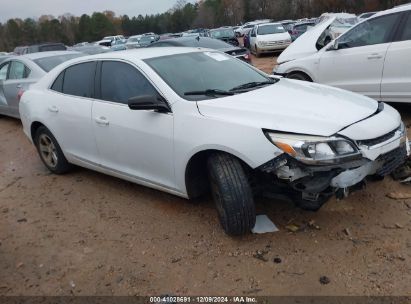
315,150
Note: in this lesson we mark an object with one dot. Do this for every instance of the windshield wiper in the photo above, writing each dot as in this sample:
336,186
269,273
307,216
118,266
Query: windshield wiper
209,92
253,84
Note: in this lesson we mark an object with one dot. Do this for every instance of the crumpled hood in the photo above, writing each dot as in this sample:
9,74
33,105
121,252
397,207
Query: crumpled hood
305,45
292,106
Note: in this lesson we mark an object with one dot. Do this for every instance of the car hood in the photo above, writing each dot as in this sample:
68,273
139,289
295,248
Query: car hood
292,106
305,45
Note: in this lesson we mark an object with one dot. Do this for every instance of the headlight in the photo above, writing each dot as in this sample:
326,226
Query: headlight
315,150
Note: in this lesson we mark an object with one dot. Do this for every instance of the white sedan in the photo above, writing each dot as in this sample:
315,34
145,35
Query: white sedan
372,58
190,120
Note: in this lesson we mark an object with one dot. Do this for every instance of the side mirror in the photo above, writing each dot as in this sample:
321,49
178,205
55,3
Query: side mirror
335,45
148,102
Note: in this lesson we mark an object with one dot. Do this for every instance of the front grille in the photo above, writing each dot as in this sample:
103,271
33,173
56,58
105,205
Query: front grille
272,43
392,160
378,140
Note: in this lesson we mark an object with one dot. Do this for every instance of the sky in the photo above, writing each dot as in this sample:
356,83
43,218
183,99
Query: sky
35,8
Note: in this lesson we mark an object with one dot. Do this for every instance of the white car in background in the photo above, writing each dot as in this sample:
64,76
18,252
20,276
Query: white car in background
373,58
247,27
133,42
269,37
190,120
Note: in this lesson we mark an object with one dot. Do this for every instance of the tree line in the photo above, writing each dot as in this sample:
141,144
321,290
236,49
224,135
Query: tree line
70,29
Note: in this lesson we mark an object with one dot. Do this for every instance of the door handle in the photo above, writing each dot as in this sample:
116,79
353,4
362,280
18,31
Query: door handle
374,56
53,109
19,86
102,121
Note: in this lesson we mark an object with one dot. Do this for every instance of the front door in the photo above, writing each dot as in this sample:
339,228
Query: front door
135,143
358,64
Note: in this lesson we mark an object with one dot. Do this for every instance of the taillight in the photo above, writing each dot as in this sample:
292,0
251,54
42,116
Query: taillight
20,94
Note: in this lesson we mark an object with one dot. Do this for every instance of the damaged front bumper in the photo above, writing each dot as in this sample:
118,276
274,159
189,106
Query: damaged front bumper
380,157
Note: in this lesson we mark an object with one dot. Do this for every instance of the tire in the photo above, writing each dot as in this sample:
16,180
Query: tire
232,194
50,152
257,53
310,205
299,76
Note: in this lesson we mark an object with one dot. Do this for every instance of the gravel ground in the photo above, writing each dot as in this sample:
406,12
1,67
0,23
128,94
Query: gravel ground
85,233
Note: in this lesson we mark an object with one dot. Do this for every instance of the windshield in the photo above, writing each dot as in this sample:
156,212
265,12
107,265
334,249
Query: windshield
270,29
203,71
49,63
224,33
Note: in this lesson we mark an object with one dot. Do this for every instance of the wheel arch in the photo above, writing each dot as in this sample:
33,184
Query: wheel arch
35,125
300,71
196,174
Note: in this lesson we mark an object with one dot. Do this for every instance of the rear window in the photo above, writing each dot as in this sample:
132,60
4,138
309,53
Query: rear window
78,80
49,63
270,29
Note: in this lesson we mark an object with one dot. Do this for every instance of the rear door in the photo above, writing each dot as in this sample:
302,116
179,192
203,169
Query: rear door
16,81
69,112
358,63
396,80
4,70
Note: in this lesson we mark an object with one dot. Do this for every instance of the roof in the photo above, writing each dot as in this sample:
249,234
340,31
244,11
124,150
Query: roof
144,53
39,55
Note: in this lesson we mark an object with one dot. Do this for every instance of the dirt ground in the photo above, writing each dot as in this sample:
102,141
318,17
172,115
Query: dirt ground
85,233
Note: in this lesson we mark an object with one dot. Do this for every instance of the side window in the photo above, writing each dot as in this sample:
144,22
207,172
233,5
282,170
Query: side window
58,83
374,31
3,71
121,81
18,70
79,79
406,34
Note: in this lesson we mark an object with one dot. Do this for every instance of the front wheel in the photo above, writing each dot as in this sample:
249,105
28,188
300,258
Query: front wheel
257,52
50,151
232,194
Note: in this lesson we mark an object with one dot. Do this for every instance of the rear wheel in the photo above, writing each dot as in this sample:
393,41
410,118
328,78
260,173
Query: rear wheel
50,151
232,194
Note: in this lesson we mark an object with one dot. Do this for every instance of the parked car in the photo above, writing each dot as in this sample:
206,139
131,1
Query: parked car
308,43
209,43
225,34
246,28
288,25
119,45
371,59
133,42
300,28
91,49
341,23
17,73
269,37
45,47
195,119
109,40
366,16
146,41
20,50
